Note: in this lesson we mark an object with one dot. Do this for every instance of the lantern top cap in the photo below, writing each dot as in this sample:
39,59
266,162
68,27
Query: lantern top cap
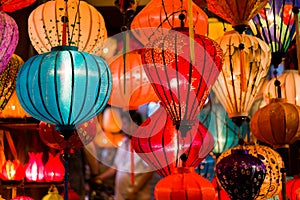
183,170
63,48
239,151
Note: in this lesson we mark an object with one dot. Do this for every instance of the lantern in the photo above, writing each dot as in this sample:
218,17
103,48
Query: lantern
14,5
64,87
184,184
9,39
217,28
111,120
131,87
206,167
181,84
12,170
240,174
161,145
293,188
54,169
275,25
85,25
22,198
159,16
220,193
72,195
8,79
247,60
278,123
35,167
53,194
85,133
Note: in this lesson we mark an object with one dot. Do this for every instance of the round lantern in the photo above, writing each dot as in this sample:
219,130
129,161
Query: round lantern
9,37
12,170
293,188
181,83
54,169
247,60
240,174
278,123
158,16
14,5
160,144
64,87
131,87
85,133
85,25
8,79
184,184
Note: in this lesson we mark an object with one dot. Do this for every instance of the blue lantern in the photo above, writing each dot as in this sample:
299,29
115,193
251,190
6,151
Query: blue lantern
64,87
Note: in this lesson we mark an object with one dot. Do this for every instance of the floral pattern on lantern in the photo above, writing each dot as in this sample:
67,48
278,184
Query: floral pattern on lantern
86,26
35,167
159,16
14,5
184,184
9,37
12,170
54,169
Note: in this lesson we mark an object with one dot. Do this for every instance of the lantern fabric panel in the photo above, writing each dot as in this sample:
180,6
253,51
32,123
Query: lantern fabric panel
246,64
159,16
64,87
86,26
14,5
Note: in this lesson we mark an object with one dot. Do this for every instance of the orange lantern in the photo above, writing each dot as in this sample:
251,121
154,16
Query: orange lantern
131,88
184,184
14,5
54,169
35,167
278,123
293,188
159,16
111,120
12,170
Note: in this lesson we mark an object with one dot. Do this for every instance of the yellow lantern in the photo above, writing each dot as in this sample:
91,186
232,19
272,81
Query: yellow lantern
217,28
85,26
53,194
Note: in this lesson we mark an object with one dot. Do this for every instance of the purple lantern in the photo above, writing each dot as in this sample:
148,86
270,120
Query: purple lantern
9,37
241,174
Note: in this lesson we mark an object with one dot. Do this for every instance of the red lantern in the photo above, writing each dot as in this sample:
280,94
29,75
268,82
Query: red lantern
14,5
293,188
160,144
85,134
35,167
220,193
72,195
131,88
180,83
22,198
12,170
54,169
184,184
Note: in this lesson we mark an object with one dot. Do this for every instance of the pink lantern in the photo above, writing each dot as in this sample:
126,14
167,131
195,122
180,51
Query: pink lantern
22,198
54,169
35,167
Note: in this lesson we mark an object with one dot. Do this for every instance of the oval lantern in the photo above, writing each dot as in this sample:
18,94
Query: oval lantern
277,124
64,87
240,174
85,25
158,16
180,83
161,145
246,63
9,37
131,87
293,188
54,169
184,184
8,79
14,5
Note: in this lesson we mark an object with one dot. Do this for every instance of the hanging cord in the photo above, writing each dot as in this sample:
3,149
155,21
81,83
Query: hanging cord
65,21
296,17
191,31
277,84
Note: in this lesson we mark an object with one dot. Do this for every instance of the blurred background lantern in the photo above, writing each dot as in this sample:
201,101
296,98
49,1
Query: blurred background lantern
246,64
53,194
8,79
217,28
22,198
240,174
158,16
54,169
161,145
111,120
206,168
277,124
293,188
9,37
35,167
131,88
184,184
86,27
12,170
180,83
14,5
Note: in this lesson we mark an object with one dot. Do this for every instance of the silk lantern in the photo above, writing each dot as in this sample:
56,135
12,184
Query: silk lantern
240,174
277,124
131,87
180,82
9,37
293,188
159,16
54,169
161,145
35,167
12,170
14,5
246,64
8,79
85,25
184,184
